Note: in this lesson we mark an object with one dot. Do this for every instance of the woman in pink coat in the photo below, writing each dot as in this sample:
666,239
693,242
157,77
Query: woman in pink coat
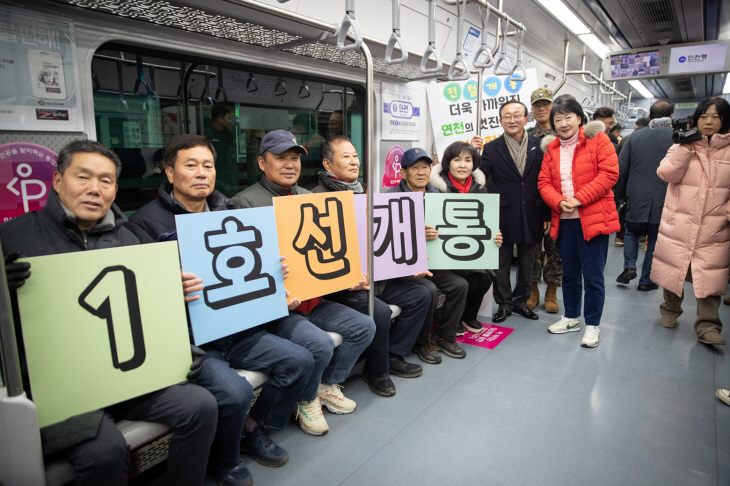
694,236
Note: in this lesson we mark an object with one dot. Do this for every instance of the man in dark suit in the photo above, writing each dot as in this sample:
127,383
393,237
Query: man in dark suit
513,161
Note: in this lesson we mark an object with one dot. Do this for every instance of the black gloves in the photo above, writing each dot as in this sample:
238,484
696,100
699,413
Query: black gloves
16,273
685,131
196,367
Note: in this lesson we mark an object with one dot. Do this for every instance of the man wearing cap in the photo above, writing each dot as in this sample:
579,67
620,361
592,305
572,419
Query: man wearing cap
552,272
416,173
514,161
394,340
279,159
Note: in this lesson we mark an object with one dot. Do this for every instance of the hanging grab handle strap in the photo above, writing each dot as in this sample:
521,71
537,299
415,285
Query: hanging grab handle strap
431,48
396,39
349,22
483,48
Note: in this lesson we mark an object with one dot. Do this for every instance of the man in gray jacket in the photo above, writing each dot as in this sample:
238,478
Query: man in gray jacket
643,189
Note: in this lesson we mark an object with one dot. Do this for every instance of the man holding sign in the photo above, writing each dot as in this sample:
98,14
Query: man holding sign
279,159
80,215
191,172
392,342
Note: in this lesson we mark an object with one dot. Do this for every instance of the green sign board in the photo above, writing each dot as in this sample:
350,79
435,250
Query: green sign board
103,326
467,225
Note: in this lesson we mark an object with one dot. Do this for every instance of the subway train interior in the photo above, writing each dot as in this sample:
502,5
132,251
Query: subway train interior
524,405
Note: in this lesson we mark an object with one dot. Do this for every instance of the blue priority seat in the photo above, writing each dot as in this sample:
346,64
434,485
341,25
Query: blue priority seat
21,456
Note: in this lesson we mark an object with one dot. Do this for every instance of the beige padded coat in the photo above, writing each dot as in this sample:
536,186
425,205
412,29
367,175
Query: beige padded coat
694,227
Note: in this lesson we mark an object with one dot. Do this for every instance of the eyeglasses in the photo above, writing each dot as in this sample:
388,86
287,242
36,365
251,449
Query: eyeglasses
516,118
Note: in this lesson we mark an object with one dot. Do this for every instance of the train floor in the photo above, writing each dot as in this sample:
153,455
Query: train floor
639,409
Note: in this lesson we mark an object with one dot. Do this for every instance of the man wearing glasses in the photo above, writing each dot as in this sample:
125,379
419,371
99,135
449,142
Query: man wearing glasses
514,161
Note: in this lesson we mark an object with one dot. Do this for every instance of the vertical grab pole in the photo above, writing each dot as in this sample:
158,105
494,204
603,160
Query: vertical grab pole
10,361
369,154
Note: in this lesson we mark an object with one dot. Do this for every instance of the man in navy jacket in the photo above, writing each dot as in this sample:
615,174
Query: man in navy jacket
513,161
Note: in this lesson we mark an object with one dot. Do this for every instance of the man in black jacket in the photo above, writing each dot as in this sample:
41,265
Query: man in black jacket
80,215
513,161
191,172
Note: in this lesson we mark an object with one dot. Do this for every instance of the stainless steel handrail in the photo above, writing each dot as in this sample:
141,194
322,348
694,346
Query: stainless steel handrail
8,342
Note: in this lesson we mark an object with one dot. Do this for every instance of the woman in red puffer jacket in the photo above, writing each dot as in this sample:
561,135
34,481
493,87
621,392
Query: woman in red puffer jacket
579,169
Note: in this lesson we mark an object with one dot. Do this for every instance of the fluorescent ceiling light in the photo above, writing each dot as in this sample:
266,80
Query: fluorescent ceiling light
595,44
565,16
726,89
638,86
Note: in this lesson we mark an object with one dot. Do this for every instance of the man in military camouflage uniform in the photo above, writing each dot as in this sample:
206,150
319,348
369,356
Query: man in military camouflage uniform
552,270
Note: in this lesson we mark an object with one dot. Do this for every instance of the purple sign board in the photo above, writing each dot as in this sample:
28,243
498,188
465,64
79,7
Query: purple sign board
26,178
399,235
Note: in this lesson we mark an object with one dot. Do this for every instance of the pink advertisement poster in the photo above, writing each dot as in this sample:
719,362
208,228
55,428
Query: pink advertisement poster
26,177
391,170
489,338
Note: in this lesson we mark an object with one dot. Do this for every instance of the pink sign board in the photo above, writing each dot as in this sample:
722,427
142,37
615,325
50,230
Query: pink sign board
391,171
399,234
489,338
26,177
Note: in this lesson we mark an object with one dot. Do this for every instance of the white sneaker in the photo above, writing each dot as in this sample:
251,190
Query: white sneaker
310,417
566,324
723,395
590,338
334,400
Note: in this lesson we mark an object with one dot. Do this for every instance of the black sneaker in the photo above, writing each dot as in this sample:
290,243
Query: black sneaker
400,367
460,331
471,326
264,450
427,353
626,276
450,349
379,383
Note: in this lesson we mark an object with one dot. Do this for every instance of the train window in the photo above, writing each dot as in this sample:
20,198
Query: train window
139,105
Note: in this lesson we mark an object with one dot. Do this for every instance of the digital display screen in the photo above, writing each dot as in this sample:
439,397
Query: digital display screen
697,59
635,64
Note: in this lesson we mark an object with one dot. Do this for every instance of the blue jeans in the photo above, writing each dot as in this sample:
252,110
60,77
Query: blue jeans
357,331
583,265
631,247
288,364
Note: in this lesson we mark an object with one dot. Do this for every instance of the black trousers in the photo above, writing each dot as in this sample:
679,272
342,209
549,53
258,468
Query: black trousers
507,298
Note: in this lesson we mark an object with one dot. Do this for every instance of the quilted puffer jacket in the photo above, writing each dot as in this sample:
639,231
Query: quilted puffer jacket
595,172
694,227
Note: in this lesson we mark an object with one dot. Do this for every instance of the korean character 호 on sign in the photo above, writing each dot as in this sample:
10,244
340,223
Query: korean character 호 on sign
321,239
465,233
394,229
237,264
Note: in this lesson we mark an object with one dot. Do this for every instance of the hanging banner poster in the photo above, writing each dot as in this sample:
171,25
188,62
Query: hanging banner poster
401,112
236,253
318,236
453,107
26,178
391,169
38,73
467,225
103,326
399,235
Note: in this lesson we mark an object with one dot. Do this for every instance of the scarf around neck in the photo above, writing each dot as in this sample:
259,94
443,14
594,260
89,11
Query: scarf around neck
464,187
332,181
518,150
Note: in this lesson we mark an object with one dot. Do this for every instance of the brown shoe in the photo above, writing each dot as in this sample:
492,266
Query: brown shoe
712,337
534,297
726,301
551,299
668,321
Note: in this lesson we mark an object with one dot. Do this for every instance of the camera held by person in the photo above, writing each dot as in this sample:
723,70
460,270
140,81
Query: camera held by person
685,131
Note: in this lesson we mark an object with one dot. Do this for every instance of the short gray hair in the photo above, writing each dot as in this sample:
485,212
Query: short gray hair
66,155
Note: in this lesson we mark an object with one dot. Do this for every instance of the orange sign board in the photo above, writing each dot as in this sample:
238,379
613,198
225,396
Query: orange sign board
318,237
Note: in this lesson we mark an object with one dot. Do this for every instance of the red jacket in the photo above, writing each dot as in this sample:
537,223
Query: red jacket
595,172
